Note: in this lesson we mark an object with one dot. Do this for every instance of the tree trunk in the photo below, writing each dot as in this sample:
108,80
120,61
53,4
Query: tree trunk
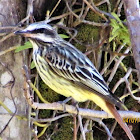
132,11
11,74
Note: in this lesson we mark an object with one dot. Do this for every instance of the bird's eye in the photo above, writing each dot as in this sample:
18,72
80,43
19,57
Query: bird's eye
38,31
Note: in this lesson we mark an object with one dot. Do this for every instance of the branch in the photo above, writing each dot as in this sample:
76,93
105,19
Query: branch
83,112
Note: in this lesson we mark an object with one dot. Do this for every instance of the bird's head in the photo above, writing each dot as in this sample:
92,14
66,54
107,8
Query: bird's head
39,31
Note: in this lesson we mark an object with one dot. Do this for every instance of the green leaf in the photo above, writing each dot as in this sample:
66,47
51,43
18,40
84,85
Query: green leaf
64,36
32,65
27,45
119,31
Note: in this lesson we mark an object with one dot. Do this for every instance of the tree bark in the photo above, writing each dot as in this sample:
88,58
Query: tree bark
132,11
11,74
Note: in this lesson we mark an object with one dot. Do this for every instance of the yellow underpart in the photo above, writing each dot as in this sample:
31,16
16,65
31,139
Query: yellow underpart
67,88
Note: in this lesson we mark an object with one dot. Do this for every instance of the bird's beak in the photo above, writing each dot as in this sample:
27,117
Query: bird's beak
20,32
24,33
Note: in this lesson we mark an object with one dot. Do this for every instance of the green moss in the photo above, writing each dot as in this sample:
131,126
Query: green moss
131,104
119,74
65,131
91,16
87,34
45,113
128,61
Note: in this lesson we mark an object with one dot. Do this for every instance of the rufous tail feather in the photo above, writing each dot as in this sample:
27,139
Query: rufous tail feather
120,120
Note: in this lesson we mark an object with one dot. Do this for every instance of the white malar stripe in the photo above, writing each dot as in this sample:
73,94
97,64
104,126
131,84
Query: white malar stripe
44,38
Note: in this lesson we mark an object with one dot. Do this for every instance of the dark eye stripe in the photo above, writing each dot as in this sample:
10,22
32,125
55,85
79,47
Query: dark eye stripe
38,30
43,30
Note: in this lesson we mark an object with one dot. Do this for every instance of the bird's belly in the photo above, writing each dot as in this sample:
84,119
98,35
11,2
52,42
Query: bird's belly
57,83
68,89
64,87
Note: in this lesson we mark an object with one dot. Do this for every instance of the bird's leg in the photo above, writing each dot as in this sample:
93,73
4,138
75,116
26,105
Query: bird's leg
75,104
64,102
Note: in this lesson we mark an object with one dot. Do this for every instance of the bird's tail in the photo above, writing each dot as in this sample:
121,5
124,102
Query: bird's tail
120,120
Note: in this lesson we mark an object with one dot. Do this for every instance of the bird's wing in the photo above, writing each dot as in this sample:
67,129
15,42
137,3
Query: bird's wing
71,64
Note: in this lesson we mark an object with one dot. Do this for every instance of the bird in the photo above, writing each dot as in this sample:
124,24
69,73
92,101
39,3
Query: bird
69,72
